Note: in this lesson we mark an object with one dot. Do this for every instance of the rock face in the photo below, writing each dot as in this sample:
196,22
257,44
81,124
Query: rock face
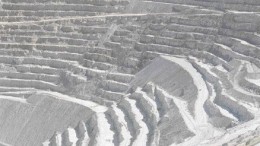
129,73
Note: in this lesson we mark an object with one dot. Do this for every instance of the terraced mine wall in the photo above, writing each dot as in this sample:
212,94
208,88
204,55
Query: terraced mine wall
119,72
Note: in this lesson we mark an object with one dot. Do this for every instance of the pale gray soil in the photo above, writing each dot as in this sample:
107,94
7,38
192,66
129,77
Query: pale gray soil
121,72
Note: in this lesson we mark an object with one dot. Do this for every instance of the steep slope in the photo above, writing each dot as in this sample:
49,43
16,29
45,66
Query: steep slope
19,119
139,72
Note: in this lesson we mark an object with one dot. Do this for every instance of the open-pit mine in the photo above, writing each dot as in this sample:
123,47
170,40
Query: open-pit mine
129,72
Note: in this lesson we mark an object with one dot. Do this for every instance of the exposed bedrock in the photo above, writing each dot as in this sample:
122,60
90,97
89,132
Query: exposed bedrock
121,72
216,117
233,107
169,76
47,114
